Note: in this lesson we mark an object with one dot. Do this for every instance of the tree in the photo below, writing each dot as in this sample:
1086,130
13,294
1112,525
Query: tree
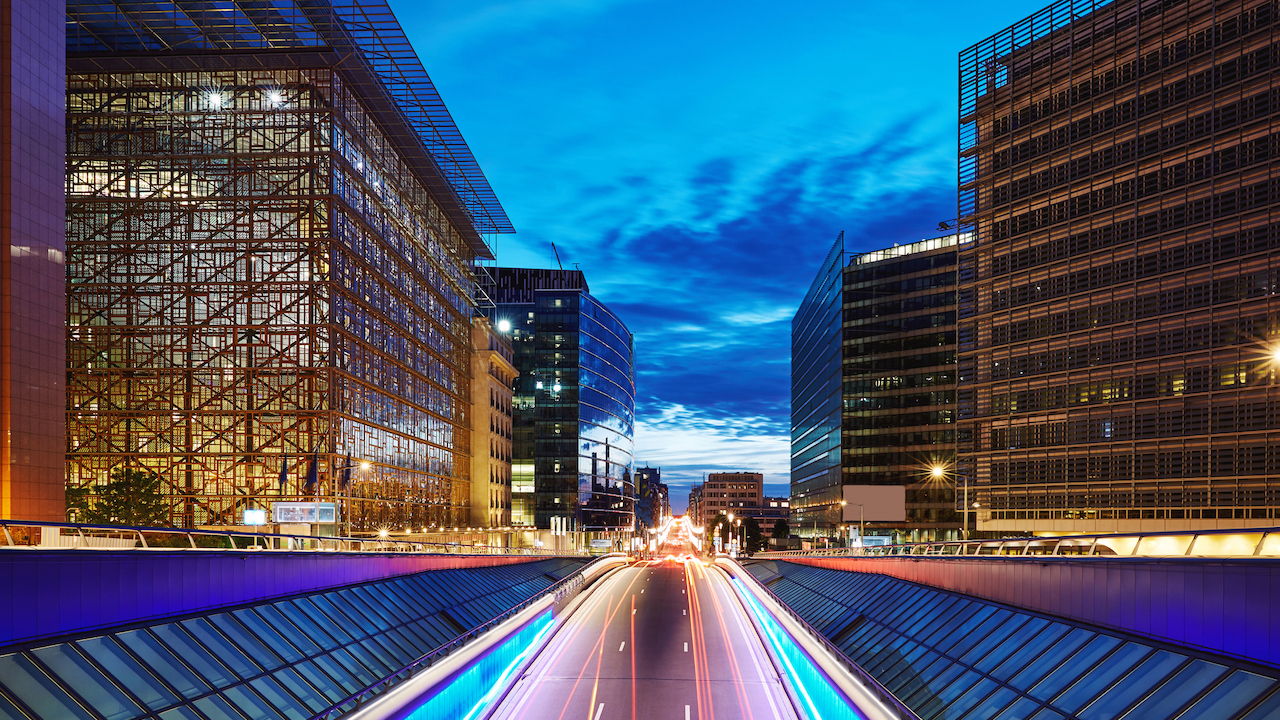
131,497
754,535
722,521
78,503
782,528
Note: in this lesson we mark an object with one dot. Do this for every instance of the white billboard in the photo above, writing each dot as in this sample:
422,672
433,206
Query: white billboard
875,503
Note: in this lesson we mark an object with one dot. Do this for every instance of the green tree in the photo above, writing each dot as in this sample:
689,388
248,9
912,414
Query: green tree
782,528
78,503
131,497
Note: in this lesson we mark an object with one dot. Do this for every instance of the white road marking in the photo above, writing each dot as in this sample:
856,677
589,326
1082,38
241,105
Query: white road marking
686,647
633,612
624,644
686,712
684,612
599,710
641,591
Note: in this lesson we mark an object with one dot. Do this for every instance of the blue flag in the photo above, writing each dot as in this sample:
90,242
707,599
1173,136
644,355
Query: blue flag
345,480
313,475
284,472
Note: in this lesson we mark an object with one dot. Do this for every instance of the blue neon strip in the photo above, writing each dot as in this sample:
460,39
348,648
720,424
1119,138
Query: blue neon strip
487,677
818,696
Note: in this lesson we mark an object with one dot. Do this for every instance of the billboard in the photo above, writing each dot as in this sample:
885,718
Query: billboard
875,503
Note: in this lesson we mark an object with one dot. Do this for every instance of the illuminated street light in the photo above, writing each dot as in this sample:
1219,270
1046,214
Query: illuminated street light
938,472
275,97
504,326
215,99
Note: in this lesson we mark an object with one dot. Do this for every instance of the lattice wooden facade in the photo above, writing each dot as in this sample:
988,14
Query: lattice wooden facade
255,273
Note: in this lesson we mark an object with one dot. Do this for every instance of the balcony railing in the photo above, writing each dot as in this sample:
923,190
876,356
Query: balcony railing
26,534
1251,542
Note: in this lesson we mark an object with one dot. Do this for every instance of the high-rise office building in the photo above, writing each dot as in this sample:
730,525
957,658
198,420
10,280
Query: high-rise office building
873,387
32,248
272,225
1119,318
574,403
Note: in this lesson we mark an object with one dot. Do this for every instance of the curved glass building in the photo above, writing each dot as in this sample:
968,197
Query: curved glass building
574,404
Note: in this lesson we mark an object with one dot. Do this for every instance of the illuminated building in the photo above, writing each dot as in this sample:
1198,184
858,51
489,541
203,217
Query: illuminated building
492,380
873,386
574,403
272,226
1120,316
32,278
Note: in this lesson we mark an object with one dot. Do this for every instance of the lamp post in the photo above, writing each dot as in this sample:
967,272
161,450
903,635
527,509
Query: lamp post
739,534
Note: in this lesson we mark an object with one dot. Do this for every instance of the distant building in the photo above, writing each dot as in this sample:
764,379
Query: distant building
694,512
1119,343
724,493
873,386
574,403
652,505
492,379
771,510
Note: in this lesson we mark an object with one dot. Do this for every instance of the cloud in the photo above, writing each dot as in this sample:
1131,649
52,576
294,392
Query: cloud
711,304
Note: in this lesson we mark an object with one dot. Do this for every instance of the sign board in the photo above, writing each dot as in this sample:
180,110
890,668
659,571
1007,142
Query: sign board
875,503
255,517
304,512
601,543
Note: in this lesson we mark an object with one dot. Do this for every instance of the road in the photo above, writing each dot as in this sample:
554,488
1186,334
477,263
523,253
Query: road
662,639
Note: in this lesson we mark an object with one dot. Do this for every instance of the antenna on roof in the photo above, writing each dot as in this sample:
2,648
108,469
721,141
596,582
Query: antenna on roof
557,252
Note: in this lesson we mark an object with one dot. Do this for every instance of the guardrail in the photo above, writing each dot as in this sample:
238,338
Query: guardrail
869,683
1251,542
566,587
28,534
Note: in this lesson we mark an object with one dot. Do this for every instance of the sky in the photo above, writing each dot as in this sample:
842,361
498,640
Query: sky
696,160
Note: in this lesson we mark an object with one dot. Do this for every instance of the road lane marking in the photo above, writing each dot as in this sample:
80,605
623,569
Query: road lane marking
633,611
624,644
686,712
684,612
641,591
599,710
686,649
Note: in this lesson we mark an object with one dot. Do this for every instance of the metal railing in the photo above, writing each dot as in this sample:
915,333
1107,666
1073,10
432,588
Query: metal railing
565,587
28,534
1248,542
872,684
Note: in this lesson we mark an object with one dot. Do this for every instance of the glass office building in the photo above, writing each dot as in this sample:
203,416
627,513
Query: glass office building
574,403
272,224
873,387
1118,323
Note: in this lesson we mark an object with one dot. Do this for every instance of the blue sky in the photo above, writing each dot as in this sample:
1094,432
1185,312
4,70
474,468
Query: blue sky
696,160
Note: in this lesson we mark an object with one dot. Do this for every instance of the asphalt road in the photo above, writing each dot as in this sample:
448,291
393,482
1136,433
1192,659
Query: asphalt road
660,639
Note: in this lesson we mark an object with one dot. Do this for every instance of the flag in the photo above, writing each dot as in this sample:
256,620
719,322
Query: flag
313,475
345,480
284,472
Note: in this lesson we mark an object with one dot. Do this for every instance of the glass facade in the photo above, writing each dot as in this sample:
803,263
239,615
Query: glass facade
816,399
265,269
950,656
574,403
873,386
285,659
899,341
1119,333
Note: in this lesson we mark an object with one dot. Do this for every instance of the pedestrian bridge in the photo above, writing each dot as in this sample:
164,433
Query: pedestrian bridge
420,632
